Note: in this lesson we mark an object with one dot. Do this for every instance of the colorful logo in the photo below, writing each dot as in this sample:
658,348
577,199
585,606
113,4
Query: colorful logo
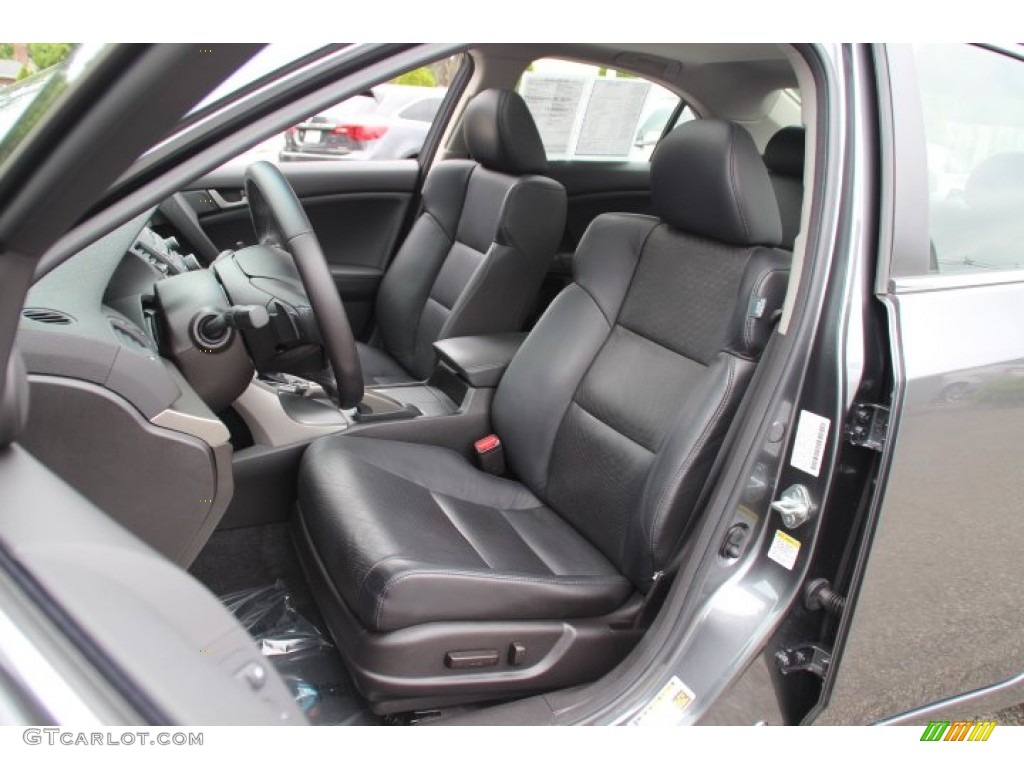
958,730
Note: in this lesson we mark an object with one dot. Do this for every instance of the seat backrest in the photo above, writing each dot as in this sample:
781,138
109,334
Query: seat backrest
784,156
476,256
613,410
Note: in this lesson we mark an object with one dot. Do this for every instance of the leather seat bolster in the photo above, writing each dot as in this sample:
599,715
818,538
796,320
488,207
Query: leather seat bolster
670,494
607,257
762,291
444,193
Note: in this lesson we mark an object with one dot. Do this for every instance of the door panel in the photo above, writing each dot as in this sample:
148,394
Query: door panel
938,612
943,580
357,209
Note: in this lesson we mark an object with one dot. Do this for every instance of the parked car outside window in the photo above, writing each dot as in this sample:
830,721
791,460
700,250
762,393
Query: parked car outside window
389,122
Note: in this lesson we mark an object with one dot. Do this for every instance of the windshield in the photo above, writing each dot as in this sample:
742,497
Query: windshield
16,98
32,78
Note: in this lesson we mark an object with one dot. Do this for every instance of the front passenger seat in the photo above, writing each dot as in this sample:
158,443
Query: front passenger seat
476,256
443,583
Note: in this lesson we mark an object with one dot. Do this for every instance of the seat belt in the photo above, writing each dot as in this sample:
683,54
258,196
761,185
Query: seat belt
662,579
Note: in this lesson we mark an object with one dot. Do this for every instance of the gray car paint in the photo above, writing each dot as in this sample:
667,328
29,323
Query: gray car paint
937,621
942,585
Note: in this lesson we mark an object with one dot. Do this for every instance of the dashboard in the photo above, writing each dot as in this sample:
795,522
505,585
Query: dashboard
97,317
109,410
163,253
92,318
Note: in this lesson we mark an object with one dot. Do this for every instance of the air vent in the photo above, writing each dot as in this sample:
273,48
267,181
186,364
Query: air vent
48,316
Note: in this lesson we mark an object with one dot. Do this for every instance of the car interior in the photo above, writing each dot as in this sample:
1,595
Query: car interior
459,413
475,258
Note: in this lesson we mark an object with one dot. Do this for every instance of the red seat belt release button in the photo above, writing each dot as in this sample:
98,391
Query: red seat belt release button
490,456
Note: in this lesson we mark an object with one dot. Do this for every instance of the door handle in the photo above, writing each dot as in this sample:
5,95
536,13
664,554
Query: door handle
224,204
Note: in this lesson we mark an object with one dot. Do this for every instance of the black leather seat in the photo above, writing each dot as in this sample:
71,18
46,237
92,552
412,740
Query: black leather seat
784,156
412,534
611,414
476,256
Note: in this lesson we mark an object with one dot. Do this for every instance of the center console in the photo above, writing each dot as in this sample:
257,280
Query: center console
450,409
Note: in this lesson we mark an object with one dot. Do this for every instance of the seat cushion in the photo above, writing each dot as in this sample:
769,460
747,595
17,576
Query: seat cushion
380,368
413,533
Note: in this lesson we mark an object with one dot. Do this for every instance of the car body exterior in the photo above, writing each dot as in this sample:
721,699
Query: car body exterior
389,122
911,386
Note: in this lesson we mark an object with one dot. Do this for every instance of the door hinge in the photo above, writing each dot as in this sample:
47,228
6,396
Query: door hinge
809,657
869,425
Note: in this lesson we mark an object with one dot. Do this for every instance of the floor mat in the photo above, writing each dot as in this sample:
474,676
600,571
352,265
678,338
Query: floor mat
257,572
246,558
306,660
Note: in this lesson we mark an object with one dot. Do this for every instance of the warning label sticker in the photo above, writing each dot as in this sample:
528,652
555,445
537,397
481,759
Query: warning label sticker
668,706
809,443
784,550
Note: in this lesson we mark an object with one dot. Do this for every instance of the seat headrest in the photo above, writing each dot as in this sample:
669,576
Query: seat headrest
501,135
708,179
784,153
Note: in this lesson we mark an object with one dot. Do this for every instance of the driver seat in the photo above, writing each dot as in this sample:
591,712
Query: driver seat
442,583
474,260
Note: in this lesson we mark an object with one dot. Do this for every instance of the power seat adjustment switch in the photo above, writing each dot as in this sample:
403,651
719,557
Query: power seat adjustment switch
471,659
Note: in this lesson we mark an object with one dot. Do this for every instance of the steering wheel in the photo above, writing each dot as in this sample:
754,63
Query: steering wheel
281,222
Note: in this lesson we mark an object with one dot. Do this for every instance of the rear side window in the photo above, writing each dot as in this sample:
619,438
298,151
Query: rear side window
974,128
586,112
423,110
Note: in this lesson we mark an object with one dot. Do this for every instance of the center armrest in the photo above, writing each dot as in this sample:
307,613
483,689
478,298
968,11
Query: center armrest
480,361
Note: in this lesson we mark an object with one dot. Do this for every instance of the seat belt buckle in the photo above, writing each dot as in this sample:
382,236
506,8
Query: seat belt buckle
490,455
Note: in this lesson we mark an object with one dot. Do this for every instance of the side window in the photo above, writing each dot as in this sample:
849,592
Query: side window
422,110
389,121
585,112
974,133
